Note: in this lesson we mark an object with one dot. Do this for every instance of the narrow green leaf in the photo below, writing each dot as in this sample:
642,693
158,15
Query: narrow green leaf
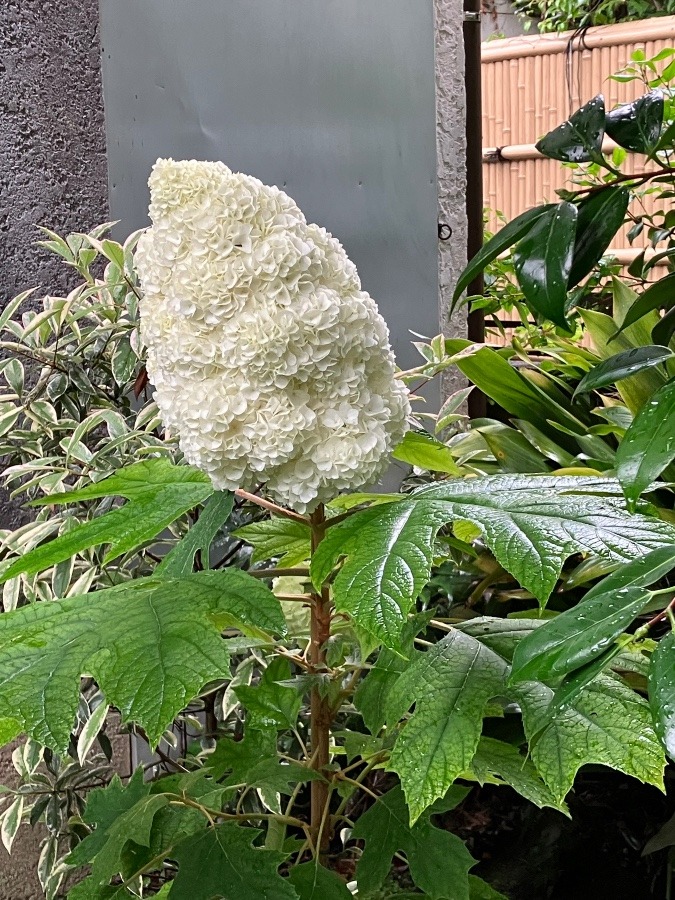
222,858
622,365
637,125
180,560
151,644
663,331
11,820
648,446
504,239
636,390
543,262
599,218
662,691
450,685
158,493
582,633
659,295
90,731
439,862
580,138
421,450
512,450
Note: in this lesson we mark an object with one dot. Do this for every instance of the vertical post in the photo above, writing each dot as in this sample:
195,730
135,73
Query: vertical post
474,171
320,712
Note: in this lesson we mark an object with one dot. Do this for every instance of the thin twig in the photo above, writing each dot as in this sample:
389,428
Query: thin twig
272,507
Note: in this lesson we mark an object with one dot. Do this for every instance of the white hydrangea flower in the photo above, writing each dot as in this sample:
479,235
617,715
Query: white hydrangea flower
269,362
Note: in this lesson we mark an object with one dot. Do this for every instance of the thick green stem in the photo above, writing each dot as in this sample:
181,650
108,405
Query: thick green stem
321,713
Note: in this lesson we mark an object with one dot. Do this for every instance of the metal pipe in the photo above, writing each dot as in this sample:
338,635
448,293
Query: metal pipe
474,172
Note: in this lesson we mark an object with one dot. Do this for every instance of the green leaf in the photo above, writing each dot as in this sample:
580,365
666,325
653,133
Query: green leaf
512,450
532,524
481,890
622,365
663,331
662,691
269,703
599,218
221,862
582,633
158,493
648,446
389,551
658,295
277,537
504,239
104,807
495,758
254,761
580,138
439,862
180,560
637,125
421,450
607,724
543,262
636,390
497,378
315,882
372,693
450,685
151,644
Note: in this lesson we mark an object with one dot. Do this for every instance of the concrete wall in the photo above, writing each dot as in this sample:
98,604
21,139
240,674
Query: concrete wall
53,172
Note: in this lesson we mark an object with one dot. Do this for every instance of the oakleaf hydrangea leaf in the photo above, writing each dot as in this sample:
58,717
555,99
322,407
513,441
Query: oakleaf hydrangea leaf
439,862
532,524
286,539
316,882
450,685
221,862
151,644
608,723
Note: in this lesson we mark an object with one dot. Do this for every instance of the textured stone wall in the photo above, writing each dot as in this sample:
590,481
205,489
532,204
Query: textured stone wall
53,173
451,105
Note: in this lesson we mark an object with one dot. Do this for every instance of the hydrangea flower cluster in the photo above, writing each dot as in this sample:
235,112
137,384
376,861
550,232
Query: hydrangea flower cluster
269,362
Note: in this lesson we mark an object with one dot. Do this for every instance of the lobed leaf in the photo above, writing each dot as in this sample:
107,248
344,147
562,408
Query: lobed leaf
151,644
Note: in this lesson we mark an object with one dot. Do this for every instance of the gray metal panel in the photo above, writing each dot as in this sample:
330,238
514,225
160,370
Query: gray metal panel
333,100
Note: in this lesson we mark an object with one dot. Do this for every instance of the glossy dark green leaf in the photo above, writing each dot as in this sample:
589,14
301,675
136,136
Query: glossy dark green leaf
662,692
663,331
580,138
660,295
637,125
622,365
286,539
582,633
543,262
648,446
599,218
504,239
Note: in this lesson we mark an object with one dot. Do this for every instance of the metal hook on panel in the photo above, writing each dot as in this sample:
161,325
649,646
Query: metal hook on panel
444,231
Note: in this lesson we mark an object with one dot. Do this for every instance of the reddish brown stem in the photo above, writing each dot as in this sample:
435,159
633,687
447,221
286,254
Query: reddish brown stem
321,714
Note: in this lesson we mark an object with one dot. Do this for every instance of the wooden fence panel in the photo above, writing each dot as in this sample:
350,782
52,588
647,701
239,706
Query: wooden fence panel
530,85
